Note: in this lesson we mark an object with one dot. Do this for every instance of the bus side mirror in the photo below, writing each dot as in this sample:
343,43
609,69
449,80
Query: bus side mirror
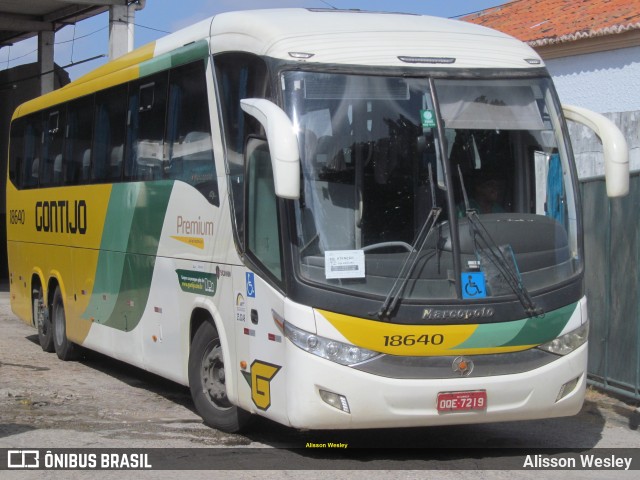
616,152
283,145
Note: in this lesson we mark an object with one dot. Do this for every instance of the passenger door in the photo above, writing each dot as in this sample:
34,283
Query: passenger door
260,302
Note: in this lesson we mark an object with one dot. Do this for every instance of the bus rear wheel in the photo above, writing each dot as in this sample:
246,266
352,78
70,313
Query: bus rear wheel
42,320
207,382
64,348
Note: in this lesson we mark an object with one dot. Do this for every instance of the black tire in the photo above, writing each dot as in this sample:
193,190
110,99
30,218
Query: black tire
65,349
42,320
207,383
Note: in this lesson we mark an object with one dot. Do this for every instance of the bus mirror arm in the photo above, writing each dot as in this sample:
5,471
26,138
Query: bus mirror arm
616,152
283,145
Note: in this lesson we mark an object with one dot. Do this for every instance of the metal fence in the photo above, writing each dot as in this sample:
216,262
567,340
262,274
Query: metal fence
612,258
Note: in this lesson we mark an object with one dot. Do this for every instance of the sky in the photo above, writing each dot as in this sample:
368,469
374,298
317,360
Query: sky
90,38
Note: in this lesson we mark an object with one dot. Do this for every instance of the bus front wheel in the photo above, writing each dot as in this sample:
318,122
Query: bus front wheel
64,348
207,382
42,320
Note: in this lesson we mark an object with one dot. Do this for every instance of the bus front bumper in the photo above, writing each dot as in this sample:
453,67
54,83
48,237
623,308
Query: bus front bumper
355,399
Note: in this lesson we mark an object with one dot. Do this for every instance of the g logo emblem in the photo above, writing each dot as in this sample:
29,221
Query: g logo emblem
260,381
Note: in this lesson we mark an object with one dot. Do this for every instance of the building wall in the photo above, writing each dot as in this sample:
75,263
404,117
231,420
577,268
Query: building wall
588,148
603,82
607,83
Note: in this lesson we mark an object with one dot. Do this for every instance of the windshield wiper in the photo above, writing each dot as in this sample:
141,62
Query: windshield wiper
395,293
497,257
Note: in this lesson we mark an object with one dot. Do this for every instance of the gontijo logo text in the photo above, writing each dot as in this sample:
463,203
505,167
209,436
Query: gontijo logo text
61,216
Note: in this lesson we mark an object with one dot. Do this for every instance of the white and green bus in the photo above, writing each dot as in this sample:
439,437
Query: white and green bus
330,219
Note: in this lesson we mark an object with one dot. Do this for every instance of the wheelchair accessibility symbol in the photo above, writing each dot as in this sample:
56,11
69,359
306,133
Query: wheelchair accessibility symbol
251,285
473,285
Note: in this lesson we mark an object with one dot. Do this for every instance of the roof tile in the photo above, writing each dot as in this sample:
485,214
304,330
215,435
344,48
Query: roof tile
543,22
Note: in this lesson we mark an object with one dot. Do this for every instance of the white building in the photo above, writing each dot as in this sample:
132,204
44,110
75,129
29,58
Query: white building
592,50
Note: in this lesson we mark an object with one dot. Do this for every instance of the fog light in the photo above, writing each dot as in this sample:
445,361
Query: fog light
335,400
567,388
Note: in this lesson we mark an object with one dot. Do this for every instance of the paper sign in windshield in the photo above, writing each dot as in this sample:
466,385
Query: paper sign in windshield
344,264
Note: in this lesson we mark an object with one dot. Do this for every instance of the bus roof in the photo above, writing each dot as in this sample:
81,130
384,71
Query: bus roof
366,38
347,37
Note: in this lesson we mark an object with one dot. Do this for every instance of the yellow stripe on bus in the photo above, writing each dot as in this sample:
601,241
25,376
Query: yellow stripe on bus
412,340
50,224
116,72
394,339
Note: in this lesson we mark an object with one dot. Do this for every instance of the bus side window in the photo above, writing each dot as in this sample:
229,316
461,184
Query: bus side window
109,133
32,151
189,131
51,164
238,76
263,238
16,153
77,149
145,128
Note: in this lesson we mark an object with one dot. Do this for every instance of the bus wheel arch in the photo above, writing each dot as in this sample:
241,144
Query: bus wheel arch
207,377
65,349
40,314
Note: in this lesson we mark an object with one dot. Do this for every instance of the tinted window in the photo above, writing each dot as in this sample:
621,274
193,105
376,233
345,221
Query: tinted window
263,238
109,134
78,143
145,128
159,125
51,167
30,170
16,156
190,151
239,76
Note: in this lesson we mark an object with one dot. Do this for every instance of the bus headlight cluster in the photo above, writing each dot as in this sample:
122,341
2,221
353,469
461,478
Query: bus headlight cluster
333,350
568,342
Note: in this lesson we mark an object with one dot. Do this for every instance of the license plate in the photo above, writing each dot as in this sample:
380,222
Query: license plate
462,401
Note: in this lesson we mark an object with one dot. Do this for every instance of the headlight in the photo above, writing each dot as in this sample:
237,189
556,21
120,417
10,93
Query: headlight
568,342
326,348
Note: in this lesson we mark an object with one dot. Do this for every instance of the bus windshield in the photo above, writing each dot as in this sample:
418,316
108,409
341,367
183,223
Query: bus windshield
379,152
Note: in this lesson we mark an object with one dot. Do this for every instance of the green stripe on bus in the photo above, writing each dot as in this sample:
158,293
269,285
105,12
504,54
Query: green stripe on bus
149,216
119,212
530,331
543,329
189,53
127,256
493,334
